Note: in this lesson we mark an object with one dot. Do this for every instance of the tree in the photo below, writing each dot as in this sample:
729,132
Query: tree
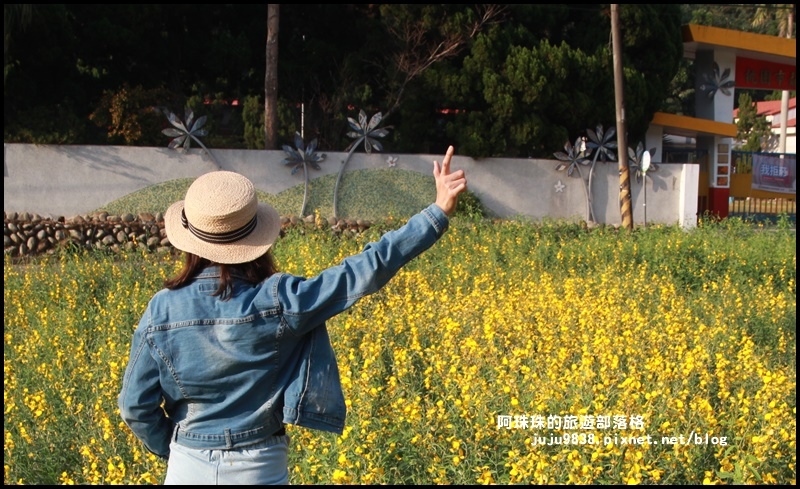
16,16
423,36
626,213
527,84
752,131
42,90
271,78
131,115
428,36
784,14
377,64
58,68
508,80
774,19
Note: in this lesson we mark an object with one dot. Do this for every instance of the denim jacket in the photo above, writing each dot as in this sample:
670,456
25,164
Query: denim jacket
230,373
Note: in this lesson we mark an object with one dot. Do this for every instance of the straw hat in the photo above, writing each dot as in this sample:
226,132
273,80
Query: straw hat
221,220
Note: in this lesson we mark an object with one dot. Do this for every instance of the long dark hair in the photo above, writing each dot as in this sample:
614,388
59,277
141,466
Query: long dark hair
255,272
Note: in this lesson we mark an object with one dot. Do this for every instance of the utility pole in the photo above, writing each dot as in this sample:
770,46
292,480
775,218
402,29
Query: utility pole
785,95
622,143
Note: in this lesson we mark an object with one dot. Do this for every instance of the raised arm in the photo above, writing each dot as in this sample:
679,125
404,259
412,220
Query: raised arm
308,302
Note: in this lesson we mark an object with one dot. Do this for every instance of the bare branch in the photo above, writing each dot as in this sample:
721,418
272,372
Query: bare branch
420,52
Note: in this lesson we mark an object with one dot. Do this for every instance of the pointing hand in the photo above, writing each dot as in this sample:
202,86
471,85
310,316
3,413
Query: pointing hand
448,185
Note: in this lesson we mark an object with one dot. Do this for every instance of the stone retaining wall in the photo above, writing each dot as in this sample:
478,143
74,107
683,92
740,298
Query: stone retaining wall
27,234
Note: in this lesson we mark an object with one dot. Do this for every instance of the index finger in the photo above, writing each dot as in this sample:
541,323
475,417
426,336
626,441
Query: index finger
446,161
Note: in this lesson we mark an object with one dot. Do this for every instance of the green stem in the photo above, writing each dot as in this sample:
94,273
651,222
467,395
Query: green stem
586,194
589,186
305,192
339,179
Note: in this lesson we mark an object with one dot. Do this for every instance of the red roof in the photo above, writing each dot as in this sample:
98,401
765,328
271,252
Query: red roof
773,108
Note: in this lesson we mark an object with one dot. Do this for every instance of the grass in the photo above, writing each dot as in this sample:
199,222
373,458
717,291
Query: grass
364,194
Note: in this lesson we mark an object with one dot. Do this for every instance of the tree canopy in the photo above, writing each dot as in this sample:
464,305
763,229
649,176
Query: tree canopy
752,129
494,80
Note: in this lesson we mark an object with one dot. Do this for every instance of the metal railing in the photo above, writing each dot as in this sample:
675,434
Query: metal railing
755,208
762,210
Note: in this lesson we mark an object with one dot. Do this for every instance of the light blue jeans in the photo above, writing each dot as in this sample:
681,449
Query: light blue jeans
258,464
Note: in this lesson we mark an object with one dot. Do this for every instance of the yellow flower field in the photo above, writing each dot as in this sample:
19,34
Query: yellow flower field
509,353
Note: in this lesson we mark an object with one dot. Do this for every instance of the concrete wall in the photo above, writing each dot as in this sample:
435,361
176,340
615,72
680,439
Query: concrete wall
70,180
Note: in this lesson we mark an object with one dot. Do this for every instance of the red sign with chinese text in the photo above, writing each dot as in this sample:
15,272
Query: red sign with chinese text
764,75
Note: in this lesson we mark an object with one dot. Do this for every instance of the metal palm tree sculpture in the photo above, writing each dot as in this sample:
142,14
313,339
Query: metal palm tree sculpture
573,157
639,161
302,157
601,145
635,160
183,134
716,81
362,131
